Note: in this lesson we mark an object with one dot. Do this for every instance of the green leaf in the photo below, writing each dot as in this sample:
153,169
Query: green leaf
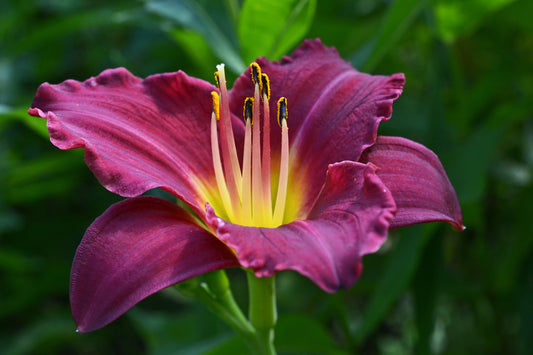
525,340
395,279
425,291
193,331
36,124
468,163
45,176
517,15
234,346
459,17
398,18
303,334
197,48
271,28
9,220
512,258
50,30
192,16
13,260
58,326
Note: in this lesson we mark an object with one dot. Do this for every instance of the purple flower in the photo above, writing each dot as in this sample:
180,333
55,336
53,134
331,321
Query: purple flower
283,172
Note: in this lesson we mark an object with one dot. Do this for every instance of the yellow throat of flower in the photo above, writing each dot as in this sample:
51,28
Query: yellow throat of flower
246,193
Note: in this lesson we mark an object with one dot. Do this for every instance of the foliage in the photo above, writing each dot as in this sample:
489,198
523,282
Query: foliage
429,290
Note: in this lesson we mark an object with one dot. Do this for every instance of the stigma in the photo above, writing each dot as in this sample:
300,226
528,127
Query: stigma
246,187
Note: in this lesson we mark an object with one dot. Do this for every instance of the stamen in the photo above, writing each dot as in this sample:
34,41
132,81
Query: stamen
247,196
247,163
265,86
257,194
265,173
282,110
229,152
256,74
216,104
217,165
281,197
248,109
217,78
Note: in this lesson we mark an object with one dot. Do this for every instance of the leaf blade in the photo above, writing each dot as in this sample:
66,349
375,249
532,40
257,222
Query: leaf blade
271,28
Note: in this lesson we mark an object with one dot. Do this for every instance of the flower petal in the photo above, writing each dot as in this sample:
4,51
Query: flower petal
137,134
350,219
334,110
136,248
417,180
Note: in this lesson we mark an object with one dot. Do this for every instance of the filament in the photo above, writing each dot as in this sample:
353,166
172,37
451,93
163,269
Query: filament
284,164
217,165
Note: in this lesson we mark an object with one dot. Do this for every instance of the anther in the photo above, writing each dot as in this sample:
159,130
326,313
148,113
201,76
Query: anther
217,78
216,104
281,197
282,110
256,73
265,87
231,166
248,109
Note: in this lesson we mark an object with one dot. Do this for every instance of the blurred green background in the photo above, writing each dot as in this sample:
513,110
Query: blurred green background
430,290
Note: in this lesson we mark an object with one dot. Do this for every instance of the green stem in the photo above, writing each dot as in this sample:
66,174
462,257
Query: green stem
215,293
263,311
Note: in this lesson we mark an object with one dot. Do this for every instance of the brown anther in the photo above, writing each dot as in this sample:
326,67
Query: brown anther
256,73
265,86
282,110
248,109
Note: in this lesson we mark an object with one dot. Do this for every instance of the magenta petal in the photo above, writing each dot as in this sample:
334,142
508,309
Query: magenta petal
137,134
136,248
350,219
328,102
417,180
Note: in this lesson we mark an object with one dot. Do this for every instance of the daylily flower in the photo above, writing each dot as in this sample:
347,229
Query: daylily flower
283,172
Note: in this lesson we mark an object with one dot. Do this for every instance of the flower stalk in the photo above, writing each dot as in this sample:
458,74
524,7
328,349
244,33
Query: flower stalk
215,293
263,311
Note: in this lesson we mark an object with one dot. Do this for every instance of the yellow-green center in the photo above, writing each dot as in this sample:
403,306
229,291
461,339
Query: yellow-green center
246,194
